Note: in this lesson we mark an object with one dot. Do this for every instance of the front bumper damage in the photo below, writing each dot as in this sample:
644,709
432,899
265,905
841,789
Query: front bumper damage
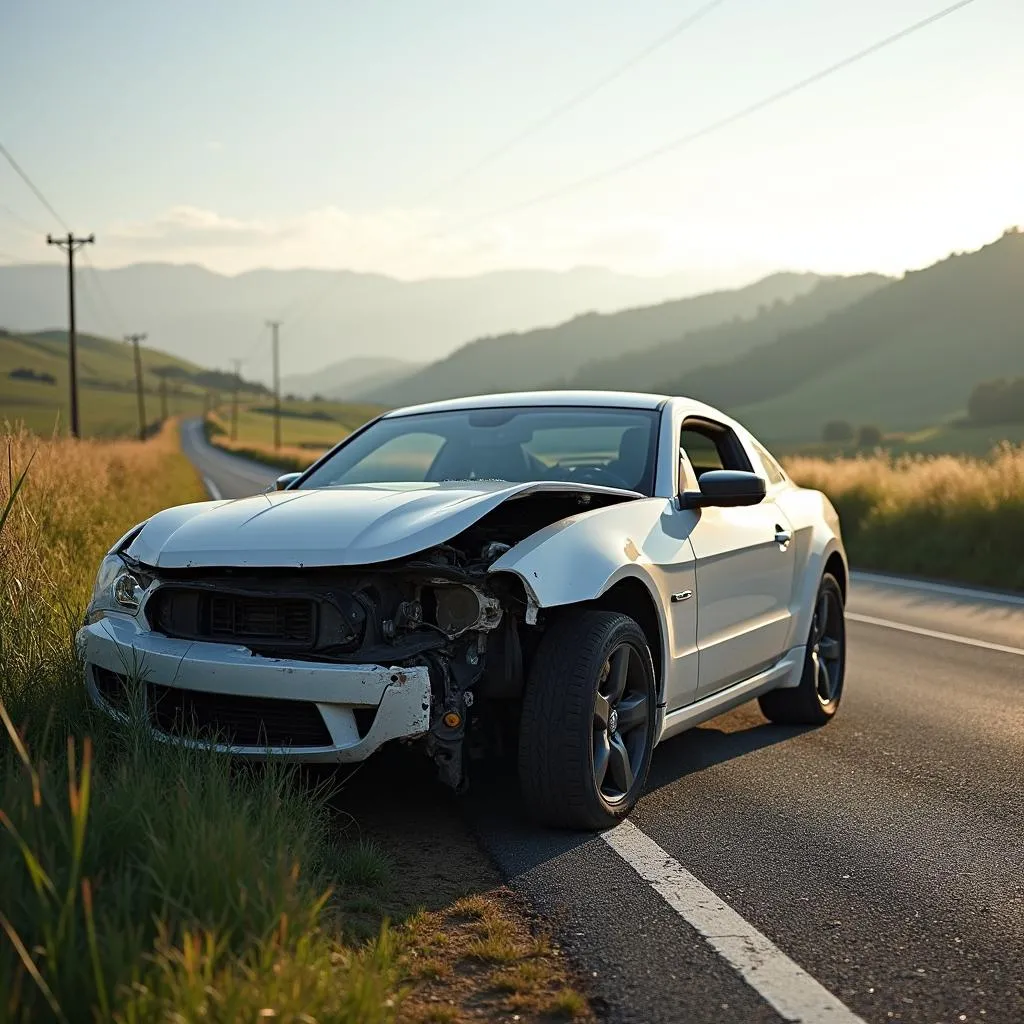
184,681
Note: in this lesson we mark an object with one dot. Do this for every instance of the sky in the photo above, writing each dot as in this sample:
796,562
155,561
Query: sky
350,133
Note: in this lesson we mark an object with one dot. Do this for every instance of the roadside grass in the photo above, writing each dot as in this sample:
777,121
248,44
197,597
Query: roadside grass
948,517
141,881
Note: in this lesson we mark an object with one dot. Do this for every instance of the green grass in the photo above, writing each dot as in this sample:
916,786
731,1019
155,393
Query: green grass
941,516
106,375
140,881
978,442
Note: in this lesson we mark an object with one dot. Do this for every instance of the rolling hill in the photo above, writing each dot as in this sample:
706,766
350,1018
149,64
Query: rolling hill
518,361
34,383
349,377
328,315
638,371
904,357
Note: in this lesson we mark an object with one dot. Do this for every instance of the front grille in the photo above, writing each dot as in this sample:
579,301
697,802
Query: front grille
241,721
112,687
261,618
251,620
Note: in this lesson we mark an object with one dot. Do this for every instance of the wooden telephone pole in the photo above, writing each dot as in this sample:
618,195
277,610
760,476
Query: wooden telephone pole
274,325
70,244
234,399
135,339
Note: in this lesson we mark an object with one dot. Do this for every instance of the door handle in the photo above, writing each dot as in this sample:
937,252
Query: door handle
782,536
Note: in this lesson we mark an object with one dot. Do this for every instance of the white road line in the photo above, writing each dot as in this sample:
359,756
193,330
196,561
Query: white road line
212,488
967,593
935,634
783,984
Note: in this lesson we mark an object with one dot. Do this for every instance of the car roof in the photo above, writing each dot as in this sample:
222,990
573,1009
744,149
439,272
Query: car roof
581,399
605,399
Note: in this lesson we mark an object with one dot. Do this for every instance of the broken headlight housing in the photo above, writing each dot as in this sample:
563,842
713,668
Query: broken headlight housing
119,584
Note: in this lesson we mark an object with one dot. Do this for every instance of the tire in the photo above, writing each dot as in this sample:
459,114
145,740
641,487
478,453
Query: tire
572,720
817,698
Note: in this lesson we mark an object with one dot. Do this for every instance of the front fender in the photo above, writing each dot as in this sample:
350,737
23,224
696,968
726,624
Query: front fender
579,558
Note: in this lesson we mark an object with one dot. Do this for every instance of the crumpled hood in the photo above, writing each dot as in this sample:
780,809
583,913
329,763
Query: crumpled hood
354,525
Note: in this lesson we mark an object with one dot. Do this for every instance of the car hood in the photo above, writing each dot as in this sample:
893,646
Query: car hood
354,525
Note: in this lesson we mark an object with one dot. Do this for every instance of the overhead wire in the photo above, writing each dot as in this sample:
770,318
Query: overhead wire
577,99
20,171
653,154
303,306
674,144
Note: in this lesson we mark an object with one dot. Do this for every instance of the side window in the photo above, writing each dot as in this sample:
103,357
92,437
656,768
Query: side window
709,446
772,470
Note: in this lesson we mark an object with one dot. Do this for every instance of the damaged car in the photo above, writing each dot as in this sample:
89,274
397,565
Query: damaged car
566,577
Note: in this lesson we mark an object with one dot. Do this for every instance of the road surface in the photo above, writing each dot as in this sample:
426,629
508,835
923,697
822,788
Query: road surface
871,870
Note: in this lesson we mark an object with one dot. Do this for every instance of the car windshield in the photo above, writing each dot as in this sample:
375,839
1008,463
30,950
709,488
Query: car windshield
608,446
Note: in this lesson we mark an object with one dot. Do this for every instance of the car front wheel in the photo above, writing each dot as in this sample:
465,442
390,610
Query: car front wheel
587,728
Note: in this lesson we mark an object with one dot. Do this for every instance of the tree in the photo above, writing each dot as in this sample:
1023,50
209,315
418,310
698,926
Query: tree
869,436
837,430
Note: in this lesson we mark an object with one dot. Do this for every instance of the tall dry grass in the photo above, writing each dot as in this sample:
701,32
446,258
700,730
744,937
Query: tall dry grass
140,881
945,516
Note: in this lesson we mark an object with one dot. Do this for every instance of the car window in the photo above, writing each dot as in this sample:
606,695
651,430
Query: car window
593,444
407,457
773,472
709,446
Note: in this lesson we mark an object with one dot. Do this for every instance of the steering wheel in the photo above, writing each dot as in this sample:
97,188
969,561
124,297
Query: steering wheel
600,475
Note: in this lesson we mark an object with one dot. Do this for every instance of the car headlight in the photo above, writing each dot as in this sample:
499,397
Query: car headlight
118,588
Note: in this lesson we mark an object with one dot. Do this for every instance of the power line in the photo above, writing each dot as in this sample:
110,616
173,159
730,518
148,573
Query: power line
576,100
31,184
715,126
19,219
541,122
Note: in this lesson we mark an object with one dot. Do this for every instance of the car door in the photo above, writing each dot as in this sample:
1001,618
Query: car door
744,565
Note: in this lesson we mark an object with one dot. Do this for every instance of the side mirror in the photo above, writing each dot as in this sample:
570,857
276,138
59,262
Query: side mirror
725,488
285,479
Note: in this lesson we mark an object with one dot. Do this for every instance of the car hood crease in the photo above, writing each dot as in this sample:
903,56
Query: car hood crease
336,526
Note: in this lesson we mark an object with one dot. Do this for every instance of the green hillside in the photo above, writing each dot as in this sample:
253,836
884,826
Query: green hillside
34,383
522,361
640,371
905,357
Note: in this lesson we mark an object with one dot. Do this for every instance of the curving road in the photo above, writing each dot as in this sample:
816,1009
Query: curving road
871,870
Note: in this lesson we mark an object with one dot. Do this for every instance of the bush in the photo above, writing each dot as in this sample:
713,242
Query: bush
837,430
869,436
947,517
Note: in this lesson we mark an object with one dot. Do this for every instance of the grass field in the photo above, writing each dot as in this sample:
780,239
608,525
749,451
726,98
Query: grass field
942,440
943,516
106,374
307,429
142,882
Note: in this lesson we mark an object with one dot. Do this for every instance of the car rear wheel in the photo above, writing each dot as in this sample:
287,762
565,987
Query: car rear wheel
587,728
817,697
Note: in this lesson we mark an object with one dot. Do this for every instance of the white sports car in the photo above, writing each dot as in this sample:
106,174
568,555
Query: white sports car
575,576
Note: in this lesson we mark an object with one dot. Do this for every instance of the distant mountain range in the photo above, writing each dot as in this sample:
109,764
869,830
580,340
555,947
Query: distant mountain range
785,354
348,378
329,316
511,362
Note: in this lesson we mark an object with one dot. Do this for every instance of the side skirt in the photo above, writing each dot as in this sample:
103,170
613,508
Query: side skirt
786,672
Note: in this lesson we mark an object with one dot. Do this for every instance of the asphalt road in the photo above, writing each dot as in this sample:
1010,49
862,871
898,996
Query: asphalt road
871,870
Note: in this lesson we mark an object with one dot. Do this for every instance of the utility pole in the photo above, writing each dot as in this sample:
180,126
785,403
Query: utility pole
234,399
70,244
274,325
135,339
163,399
